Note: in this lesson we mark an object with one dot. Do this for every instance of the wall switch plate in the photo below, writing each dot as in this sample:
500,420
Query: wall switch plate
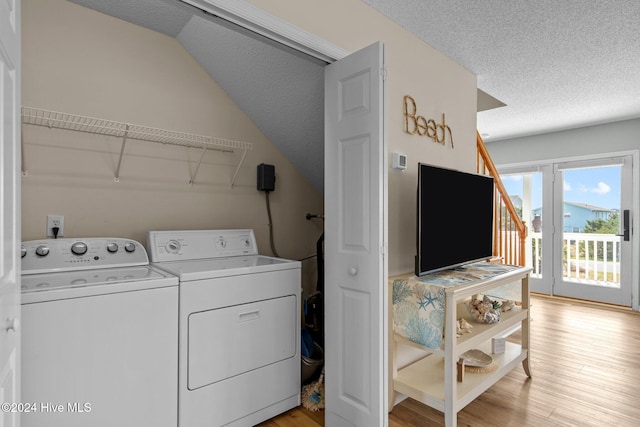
55,221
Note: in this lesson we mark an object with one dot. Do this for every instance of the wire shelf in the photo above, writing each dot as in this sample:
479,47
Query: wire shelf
126,131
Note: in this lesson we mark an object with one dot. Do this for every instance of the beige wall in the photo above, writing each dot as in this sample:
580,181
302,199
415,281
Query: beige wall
80,61
438,84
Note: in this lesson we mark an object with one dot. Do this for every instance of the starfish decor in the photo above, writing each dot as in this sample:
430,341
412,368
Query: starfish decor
423,303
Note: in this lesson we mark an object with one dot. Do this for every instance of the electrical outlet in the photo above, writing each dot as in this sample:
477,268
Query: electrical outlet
55,221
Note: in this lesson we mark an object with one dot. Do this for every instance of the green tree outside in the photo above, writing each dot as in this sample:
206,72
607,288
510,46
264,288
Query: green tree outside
601,226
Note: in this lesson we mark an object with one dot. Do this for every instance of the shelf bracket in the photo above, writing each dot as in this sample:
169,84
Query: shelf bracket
124,142
244,154
195,172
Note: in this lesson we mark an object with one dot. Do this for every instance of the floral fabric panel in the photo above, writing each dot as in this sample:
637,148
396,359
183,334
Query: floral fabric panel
418,312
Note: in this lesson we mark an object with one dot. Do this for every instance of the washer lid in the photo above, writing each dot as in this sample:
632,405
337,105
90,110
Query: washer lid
75,284
224,267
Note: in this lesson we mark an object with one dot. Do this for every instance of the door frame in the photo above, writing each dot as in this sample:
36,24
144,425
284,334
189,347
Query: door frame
635,203
10,218
262,23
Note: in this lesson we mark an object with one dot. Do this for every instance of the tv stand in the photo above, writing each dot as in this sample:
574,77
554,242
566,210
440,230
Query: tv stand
433,380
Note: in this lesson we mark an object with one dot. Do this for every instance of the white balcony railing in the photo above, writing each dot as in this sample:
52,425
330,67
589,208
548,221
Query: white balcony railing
586,258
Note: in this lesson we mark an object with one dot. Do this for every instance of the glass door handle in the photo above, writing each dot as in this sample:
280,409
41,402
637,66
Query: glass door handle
625,226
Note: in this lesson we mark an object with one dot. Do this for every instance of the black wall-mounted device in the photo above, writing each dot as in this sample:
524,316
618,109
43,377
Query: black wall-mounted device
266,177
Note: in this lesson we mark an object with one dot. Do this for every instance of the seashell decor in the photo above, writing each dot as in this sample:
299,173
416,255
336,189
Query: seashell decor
463,327
507,305
484,310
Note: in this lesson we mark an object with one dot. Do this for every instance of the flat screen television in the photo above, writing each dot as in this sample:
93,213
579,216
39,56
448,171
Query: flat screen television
455,218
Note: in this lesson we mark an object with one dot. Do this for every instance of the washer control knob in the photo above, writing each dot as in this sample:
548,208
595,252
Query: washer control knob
23,252
42,250
130,247
173,246
79,248
112,248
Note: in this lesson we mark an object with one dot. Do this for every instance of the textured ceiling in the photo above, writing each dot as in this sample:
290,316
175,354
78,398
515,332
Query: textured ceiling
555,64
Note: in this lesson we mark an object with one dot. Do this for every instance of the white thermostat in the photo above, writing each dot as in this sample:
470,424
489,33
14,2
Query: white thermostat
399,161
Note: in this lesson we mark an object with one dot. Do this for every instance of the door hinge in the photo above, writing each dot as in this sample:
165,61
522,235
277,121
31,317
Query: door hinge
383,73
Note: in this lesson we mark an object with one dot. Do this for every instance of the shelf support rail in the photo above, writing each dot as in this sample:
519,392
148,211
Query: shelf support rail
195,172
124,142
244,154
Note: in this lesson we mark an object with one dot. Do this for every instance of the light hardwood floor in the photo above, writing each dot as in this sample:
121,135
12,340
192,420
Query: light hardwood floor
586,372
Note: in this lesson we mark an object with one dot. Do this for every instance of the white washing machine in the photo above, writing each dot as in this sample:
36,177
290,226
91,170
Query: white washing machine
99,335
239,326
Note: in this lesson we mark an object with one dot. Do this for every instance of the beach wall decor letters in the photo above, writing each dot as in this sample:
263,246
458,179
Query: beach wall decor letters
415,124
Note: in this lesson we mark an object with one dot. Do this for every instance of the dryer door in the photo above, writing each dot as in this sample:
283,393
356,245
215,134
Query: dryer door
230,341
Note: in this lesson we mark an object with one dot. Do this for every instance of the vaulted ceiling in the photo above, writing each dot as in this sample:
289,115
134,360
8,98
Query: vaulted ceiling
555,64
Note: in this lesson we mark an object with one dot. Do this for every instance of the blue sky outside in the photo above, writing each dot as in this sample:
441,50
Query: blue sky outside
594,186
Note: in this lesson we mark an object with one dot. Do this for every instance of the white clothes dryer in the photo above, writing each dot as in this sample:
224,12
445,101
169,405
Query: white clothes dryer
239,326
99,335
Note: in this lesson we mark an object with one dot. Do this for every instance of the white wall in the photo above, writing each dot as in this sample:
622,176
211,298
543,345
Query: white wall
80,61
605,138
438,84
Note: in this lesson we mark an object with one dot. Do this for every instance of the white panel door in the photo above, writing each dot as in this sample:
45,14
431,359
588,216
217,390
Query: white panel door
355,241
9,209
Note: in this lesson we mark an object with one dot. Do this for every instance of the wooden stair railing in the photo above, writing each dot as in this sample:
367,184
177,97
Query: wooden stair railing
509,232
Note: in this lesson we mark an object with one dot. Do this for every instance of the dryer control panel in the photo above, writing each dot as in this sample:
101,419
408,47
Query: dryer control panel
179,245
